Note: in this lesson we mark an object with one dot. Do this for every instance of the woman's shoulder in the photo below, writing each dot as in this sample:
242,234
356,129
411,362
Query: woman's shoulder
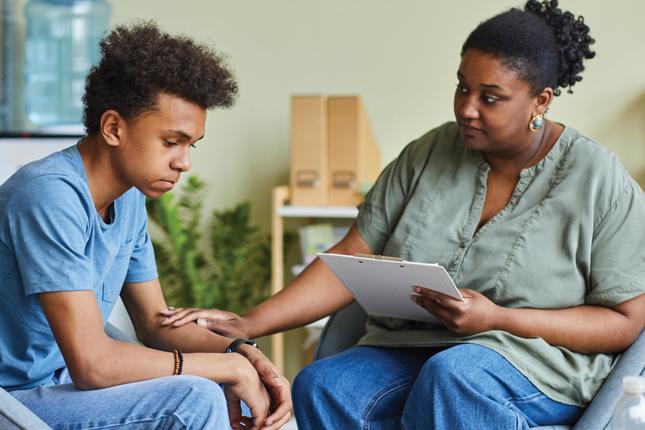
442,138
592,158
596,168
446,133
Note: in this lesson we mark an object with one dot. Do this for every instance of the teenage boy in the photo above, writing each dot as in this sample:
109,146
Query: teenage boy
73,237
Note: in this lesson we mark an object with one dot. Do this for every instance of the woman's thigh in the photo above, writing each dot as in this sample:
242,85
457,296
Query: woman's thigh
471,386
174,402
363,387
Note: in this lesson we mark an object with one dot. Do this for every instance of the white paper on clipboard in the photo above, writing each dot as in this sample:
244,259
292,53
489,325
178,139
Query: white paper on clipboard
383,287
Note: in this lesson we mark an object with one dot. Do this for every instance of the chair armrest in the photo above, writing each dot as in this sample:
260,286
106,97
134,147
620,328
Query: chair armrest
631,363
342,331
16,416
117,334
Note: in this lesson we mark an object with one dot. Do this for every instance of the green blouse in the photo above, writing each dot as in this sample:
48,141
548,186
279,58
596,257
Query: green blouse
572,234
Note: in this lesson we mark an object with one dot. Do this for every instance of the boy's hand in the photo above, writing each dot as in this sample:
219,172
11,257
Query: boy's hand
277,386
232,325
247,387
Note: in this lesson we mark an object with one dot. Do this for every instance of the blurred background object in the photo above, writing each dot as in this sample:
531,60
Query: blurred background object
315,238
6,68
401,57
61,45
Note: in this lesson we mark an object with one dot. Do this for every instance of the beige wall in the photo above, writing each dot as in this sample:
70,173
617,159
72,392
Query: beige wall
401,56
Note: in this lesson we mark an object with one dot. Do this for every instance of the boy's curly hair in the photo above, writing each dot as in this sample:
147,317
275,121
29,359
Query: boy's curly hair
140,62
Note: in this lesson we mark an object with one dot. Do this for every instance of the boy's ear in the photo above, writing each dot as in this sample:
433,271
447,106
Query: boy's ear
111,127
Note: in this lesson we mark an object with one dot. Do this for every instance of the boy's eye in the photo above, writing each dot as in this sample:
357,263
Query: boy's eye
169,143
192,145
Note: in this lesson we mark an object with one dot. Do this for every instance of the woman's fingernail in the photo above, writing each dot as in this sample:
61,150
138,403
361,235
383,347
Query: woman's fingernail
277,381
417,290
202,322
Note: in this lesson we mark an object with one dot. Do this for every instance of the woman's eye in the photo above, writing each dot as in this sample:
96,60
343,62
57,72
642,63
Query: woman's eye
489,99
461,89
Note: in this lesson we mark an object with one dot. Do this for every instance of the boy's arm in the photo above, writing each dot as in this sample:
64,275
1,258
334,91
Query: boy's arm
95,361
144,301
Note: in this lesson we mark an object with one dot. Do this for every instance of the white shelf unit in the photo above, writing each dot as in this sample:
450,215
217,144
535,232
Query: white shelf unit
281,210
317,212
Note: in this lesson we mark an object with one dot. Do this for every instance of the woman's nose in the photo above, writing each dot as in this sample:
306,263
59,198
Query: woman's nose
468,109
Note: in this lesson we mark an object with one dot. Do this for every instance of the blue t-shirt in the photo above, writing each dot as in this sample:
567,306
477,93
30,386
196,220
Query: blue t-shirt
52,239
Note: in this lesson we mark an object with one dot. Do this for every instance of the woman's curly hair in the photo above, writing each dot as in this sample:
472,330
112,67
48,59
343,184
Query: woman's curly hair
140,62
545,45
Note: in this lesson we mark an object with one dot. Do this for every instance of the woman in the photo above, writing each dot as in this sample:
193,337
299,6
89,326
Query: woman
539,226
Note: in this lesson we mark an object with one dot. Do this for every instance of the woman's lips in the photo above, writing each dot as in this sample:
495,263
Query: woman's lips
470,128
468,132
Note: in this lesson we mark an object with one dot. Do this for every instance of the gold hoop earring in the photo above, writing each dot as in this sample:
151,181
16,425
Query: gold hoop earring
536,122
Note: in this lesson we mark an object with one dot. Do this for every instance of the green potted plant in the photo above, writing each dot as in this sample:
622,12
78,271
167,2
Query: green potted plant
231,272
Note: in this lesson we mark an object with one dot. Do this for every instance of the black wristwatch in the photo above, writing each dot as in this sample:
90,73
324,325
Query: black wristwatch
239,341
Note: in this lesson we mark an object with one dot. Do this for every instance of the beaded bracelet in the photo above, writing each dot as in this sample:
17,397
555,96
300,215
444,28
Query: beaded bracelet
179,362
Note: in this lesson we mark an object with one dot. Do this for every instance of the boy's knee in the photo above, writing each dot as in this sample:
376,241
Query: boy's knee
201,390
202,403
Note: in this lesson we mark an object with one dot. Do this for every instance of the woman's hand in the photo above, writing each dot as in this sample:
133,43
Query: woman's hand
474,315
247,387
277,386
221,322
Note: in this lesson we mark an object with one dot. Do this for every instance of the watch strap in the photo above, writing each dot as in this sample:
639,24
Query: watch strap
238,342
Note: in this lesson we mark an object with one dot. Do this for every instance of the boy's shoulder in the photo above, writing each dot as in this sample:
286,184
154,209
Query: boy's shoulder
55,181
40,177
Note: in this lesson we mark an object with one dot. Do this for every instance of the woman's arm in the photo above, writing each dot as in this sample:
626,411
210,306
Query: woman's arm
315,293
586,329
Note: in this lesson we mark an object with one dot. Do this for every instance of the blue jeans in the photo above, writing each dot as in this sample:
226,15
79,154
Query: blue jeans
173,402
463,387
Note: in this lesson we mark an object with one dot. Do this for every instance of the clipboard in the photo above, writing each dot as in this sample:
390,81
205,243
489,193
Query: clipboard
383,285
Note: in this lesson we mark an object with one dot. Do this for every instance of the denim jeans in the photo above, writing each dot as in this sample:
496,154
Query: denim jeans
462,387
172,402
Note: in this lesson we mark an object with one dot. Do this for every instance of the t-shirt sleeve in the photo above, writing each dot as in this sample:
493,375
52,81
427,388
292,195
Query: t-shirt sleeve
142,265
47,223
617,253
384,203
